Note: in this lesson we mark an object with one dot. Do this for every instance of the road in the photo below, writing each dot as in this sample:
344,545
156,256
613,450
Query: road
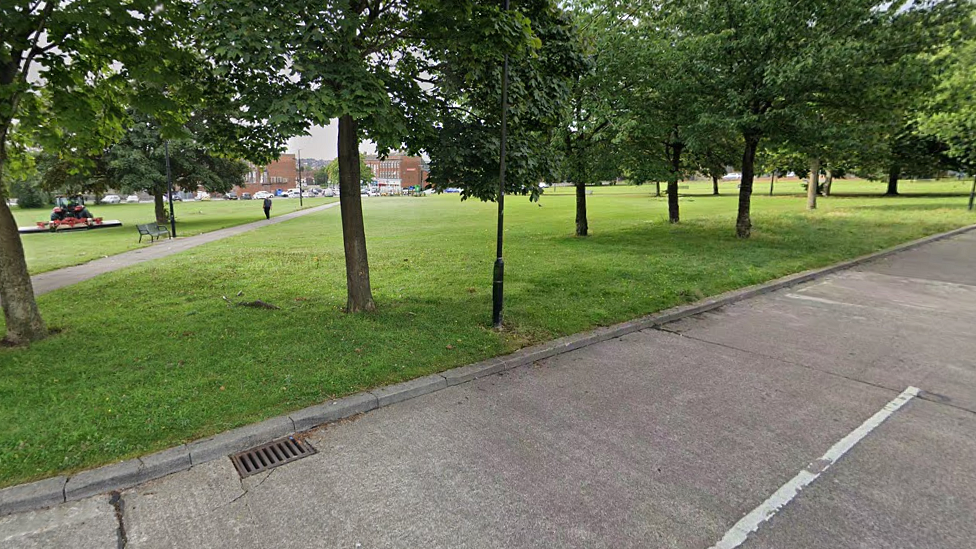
763,415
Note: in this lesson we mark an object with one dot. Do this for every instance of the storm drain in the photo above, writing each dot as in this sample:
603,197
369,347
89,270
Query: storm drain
271,455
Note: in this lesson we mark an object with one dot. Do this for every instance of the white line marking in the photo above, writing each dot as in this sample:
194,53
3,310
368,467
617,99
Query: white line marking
821,300
751,522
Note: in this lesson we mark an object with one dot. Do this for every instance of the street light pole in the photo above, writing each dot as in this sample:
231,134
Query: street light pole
301,204
498,279
169,184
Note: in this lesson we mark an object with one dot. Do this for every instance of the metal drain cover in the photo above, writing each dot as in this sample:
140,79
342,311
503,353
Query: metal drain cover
271,455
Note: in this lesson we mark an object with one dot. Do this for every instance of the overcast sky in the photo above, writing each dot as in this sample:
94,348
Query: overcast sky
323,143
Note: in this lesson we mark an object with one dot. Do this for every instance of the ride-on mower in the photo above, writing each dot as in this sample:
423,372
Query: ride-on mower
70,214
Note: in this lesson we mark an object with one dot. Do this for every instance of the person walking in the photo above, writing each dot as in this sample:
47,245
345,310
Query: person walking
267,207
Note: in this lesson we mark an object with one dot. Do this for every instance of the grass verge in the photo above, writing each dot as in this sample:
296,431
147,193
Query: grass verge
152,356
47,252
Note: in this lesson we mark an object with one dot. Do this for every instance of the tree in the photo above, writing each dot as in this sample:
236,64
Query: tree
332,172
778,61
386,69
84,85
322,177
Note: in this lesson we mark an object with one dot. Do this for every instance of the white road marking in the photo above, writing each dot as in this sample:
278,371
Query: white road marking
752,521
821,300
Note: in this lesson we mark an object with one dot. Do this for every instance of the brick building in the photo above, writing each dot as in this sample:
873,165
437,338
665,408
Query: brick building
398,170
280,174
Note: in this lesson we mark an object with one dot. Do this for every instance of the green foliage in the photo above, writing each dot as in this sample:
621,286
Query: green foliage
331,173
950,112
322,177
29,194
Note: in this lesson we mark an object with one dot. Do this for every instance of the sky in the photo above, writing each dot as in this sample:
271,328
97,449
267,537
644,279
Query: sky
322,143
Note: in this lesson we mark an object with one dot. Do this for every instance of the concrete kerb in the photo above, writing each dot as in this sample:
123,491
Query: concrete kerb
119,476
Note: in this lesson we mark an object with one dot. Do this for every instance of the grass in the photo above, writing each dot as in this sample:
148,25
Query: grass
47,252
152,356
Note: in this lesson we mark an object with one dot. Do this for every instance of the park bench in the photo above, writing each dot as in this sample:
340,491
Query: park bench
152,230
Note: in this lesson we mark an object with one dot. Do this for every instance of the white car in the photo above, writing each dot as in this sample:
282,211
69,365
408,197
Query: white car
328,193
132,199
261,195
732,176
111,199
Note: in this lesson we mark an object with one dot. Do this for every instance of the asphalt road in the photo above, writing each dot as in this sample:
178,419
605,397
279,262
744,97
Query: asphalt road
661,438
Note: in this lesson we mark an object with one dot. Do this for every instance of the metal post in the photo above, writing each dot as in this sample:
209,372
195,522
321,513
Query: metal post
169,183
497,293
301,204
972,194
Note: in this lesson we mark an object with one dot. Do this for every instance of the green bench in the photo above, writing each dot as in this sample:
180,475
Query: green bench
152,230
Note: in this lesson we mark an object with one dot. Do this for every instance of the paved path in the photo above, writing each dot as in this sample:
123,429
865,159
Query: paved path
676,437
53,280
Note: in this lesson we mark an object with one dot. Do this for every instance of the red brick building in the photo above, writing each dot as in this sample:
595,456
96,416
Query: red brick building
398,170
280,174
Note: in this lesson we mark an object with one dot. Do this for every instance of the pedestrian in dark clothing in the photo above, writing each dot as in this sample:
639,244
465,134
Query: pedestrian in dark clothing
267,207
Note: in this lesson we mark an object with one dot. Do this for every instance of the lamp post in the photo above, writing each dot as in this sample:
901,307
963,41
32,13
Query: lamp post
169,185
498,278
301,204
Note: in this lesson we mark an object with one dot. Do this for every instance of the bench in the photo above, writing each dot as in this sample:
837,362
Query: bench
152,230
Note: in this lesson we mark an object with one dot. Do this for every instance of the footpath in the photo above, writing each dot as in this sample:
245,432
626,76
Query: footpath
837,413
53,280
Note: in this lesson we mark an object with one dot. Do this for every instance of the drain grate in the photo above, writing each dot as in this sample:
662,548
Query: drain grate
271,455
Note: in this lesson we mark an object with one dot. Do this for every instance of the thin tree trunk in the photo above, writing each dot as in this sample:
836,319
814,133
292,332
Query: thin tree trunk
814,184
657,190
772,181
828,182
20,312
743,222
893,176
714,186
582,227
359,294
161,217
675,156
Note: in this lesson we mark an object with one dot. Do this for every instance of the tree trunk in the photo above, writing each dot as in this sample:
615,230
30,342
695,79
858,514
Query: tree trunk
359,295
20,312
657,190
828,182
743,223
772,181
161,217
714,186
674,154
814,184
582,227
893,176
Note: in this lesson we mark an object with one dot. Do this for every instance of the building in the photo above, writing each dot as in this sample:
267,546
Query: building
398,171
280,174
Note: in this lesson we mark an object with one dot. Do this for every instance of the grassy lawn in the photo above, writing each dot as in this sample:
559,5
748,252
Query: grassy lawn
47,252
793,187
152,356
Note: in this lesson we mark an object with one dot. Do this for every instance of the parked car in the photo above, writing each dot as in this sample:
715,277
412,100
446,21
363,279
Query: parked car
132,199
732,176
245,196
111,199
231,196
261,195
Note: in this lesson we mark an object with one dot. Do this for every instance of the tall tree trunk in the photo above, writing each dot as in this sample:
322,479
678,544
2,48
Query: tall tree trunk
657,188
893,176
582,227
743,223
772,181
714,186
359,295
814,184
161,217
674,154
972,195
828,182
20,312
